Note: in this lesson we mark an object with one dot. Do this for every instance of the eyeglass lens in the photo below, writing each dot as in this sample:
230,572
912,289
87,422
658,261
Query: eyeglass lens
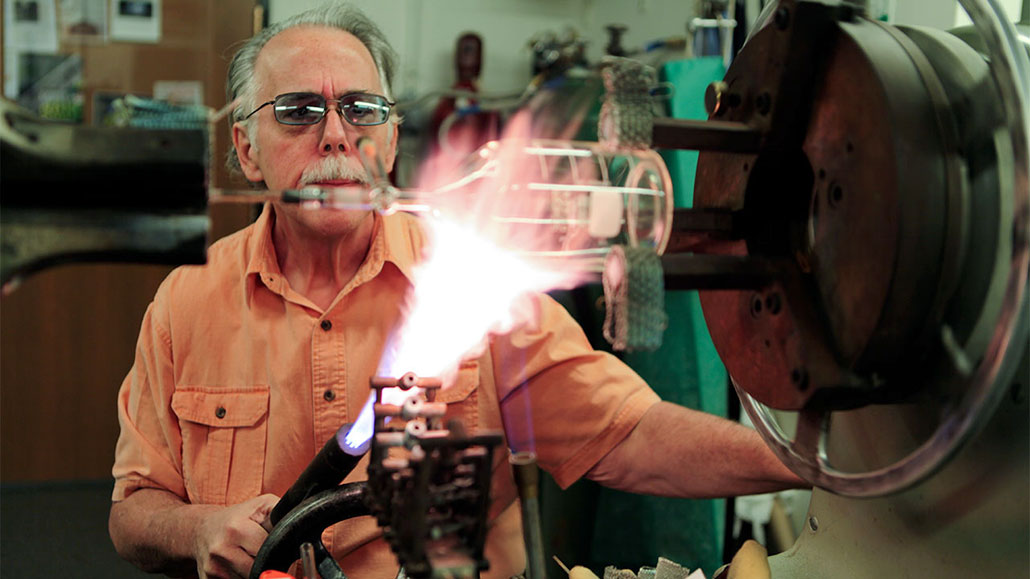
309,108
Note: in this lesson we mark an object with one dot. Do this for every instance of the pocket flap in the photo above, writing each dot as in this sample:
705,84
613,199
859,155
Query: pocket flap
227,407
465,383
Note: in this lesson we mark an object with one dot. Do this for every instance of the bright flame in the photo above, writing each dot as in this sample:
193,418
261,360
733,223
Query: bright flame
363,428
478,271
468,288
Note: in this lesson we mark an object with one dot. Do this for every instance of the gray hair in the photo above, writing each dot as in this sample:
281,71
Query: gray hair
240,83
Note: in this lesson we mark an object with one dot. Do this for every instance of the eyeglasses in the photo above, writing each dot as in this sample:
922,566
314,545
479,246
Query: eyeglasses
307,108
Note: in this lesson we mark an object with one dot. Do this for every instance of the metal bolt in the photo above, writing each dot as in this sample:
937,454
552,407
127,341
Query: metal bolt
800,378
802,258
782,18
835,194
715,98
756,305
763,102
1017,393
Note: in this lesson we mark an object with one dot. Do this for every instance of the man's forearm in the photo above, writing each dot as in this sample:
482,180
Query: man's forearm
676,451
155,530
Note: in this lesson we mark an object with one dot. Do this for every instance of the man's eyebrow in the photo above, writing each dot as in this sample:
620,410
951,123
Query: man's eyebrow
320,93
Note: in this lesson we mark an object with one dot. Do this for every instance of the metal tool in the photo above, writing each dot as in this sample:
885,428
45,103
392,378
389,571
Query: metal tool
845,224
307,561
73,193
431,503
527,479
331,465
862,206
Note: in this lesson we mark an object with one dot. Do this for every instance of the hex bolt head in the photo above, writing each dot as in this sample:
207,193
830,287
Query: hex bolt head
1017,393
715,98
756,305
835,194
782,18
799,376
763,102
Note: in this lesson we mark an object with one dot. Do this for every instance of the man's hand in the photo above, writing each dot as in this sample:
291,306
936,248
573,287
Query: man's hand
227,540
158,532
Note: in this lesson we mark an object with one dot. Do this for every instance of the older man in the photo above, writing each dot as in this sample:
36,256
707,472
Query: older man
246,366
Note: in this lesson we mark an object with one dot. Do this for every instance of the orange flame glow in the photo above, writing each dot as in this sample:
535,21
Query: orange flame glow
493,218
470,283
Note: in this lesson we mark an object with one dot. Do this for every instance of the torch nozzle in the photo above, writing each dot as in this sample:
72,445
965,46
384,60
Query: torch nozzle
327,470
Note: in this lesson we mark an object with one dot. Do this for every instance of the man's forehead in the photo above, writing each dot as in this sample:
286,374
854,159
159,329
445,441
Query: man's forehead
320,55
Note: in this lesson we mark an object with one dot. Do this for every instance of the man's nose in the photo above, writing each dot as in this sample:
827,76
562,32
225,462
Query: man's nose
334,134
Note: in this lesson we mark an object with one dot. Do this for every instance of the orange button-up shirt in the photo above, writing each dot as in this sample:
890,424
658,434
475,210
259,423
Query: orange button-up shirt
239,380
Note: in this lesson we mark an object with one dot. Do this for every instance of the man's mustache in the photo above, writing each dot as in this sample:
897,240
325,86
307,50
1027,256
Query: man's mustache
333,168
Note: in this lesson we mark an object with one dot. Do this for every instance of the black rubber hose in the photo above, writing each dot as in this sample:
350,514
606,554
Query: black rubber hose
330,466
305,524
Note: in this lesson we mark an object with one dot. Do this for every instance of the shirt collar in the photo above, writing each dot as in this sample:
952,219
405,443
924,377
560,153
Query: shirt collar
261,251
403,241
397,239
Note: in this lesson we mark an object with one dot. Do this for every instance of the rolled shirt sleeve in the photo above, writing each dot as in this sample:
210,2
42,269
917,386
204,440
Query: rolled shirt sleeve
560,398
148,453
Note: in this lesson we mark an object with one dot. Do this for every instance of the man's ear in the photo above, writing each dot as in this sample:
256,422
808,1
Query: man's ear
246,152
391,149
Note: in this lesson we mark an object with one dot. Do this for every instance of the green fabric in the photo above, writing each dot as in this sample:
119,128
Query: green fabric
689,78
594,526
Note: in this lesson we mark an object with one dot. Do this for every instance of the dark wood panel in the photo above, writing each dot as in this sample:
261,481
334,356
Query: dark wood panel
68,335
67,338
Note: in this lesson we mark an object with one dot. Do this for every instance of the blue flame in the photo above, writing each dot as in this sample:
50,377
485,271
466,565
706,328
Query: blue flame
359,435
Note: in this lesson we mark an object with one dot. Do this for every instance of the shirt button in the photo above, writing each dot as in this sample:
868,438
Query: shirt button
220,412
329,395
327,325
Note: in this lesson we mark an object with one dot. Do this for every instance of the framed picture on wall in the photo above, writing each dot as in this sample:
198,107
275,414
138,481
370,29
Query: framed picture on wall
136,20
83,20
51,85
30,26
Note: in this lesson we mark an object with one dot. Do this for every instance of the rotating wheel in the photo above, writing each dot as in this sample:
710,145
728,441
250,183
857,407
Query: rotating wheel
894,192
305,524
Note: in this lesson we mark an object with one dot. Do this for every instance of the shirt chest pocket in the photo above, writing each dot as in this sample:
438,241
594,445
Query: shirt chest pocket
462,397
224,432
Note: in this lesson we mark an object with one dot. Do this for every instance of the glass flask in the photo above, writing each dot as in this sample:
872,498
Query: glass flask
560,199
